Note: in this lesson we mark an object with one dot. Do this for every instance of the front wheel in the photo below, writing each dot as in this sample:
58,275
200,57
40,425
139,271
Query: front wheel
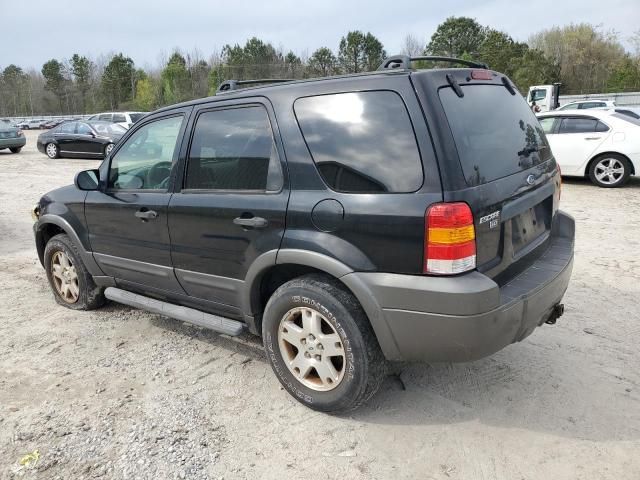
321,346
70,281
15,149
610,171
52,150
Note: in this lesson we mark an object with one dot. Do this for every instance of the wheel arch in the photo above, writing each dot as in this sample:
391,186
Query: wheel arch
274,268
608,152
49,226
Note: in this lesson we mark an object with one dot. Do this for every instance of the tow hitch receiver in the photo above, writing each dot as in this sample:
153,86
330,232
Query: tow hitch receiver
556,313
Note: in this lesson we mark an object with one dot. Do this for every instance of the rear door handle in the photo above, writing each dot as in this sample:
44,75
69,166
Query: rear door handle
592,138
255,222
145,214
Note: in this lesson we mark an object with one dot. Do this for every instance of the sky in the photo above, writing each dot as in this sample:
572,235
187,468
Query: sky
149,30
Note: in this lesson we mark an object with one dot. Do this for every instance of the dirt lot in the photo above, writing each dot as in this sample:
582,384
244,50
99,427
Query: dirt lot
120,393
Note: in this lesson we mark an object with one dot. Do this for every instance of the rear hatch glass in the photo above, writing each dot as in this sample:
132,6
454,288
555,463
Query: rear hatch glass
496,133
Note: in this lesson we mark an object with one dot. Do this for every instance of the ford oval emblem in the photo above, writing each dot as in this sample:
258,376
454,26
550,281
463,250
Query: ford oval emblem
531,179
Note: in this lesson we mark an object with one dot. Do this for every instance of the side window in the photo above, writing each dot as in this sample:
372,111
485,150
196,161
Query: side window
233,149
547,124
68,128
83,129
601,127
577,125
105,117
119,118
361,142
144,160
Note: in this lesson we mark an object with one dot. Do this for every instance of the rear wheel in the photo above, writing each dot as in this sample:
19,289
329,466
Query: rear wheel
610,171
321,346
15,149
70,281
52,150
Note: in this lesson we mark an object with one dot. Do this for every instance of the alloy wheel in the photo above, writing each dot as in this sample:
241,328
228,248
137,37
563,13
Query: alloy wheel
312,349
609,171
65,277
52,150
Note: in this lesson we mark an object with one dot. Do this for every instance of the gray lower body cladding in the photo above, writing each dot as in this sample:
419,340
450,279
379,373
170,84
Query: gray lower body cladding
467,317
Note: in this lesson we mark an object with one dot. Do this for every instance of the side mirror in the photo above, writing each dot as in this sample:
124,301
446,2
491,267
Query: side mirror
87,180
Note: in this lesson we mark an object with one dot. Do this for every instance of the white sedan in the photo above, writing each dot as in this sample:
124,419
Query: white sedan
601,144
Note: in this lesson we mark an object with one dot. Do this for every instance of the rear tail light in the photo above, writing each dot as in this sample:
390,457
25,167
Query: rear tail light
559,181
450,239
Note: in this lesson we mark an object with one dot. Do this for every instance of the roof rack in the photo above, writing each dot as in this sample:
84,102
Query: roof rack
403,62
229,85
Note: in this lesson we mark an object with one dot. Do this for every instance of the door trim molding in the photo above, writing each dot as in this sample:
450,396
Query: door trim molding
133,265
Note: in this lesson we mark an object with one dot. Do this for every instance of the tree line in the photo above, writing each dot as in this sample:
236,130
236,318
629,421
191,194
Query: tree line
583,57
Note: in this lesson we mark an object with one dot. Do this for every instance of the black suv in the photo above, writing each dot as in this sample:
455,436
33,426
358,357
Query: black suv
395,215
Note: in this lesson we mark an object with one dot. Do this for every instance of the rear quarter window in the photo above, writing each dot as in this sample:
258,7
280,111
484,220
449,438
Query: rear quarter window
361,142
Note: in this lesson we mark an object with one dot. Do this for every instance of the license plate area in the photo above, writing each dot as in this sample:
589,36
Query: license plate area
531,225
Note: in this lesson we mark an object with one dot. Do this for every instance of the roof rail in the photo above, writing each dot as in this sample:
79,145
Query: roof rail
229,85
403,62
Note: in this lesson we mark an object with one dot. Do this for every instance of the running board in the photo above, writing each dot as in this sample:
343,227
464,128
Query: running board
219,324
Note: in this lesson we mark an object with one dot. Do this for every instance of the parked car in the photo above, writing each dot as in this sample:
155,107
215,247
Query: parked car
11,137
601,144
31,124
633,112
6,121
52,123
125,119
391,230
80,139
588,104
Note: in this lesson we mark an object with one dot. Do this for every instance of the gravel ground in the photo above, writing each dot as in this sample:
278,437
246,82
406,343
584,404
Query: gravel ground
123,394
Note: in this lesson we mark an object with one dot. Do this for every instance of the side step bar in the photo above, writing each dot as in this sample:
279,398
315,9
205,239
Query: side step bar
219,324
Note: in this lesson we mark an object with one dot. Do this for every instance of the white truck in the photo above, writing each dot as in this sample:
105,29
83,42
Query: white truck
548,97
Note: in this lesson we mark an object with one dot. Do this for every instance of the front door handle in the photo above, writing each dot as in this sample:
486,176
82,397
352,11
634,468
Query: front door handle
254,222
145,214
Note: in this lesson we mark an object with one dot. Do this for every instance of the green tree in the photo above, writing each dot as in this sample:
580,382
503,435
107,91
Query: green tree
359,52
625,76
175,80
534,68
146,94
293,65
455,37
501,52
81,68
322,63
117,80
586,55
53,73
14,84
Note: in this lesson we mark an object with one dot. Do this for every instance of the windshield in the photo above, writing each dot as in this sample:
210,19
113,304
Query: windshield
109,128
496,133
538,94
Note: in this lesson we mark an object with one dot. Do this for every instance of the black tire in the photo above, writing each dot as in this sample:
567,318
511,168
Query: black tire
52,150
364,364
90,296
611,182
15,149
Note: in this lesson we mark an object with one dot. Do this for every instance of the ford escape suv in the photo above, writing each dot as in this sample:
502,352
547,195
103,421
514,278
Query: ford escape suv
400,214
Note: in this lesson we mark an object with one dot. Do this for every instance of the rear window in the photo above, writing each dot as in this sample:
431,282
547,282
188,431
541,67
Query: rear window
496,133
119,118
361,142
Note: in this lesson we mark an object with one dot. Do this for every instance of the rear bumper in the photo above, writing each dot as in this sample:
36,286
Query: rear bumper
14,142
466,317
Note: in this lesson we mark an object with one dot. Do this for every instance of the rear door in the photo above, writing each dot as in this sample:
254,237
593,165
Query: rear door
574,139
233,200
493,155
65,136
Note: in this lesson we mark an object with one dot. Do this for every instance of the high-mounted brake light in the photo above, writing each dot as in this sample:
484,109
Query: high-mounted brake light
481,75
450,239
